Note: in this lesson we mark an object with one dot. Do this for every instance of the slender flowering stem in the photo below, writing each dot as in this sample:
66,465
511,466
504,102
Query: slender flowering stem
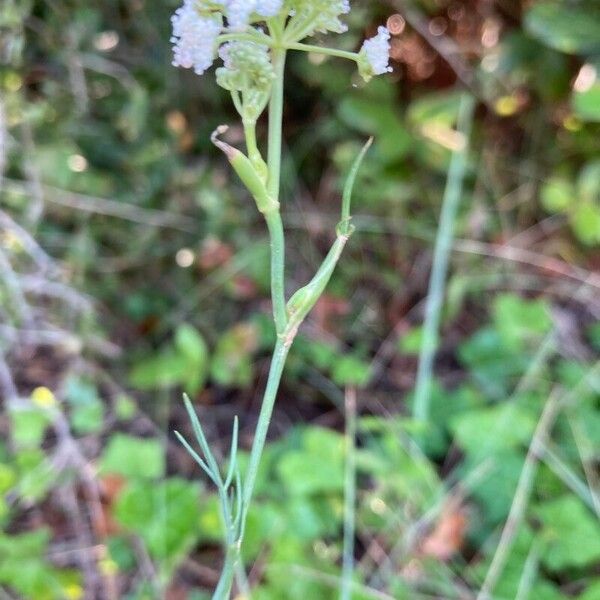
276,234
254,36
233,553
264,420
273,185
251,145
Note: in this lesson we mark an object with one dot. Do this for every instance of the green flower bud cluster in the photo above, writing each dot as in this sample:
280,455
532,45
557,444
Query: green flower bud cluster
310,16
247,70
246,66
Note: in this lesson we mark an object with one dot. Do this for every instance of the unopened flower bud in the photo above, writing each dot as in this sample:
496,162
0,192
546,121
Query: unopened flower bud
246,66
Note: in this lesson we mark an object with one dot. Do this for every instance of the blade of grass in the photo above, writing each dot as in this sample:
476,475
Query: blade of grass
566,474
232,454
585,449
530,571
521,497
443,246
349,496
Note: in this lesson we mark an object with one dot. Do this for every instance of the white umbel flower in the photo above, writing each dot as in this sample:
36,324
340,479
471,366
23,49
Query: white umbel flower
194,37
238,12
377,51
268,8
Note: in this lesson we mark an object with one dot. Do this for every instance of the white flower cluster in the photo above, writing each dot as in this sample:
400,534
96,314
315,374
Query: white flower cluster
198,23
238,12
375,54
194,37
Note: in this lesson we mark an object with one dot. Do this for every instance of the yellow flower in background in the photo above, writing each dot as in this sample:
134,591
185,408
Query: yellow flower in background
43,397
73,591
507,106
108,567
11,242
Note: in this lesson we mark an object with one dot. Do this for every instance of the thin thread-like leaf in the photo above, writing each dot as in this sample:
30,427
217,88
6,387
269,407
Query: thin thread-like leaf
239,496
349,186
232,453
196,457
210,459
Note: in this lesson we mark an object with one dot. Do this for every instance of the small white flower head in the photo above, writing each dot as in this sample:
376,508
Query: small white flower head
194,37
374,56
240,13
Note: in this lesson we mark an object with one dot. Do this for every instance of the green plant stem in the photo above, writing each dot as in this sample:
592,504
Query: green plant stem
251,145
264,420
274,222
254,36
286,328
349,496
223,591
530,571
276,234
321,50
236,568
443,245
568,476
233,554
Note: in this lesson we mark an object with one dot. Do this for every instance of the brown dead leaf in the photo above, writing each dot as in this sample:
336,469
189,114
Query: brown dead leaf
448,535
102,520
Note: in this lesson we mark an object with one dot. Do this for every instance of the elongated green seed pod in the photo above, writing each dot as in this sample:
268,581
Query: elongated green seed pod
245,170
306,297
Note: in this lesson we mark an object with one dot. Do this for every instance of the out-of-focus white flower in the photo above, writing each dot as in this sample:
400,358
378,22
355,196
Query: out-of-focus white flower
194,37
375,55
